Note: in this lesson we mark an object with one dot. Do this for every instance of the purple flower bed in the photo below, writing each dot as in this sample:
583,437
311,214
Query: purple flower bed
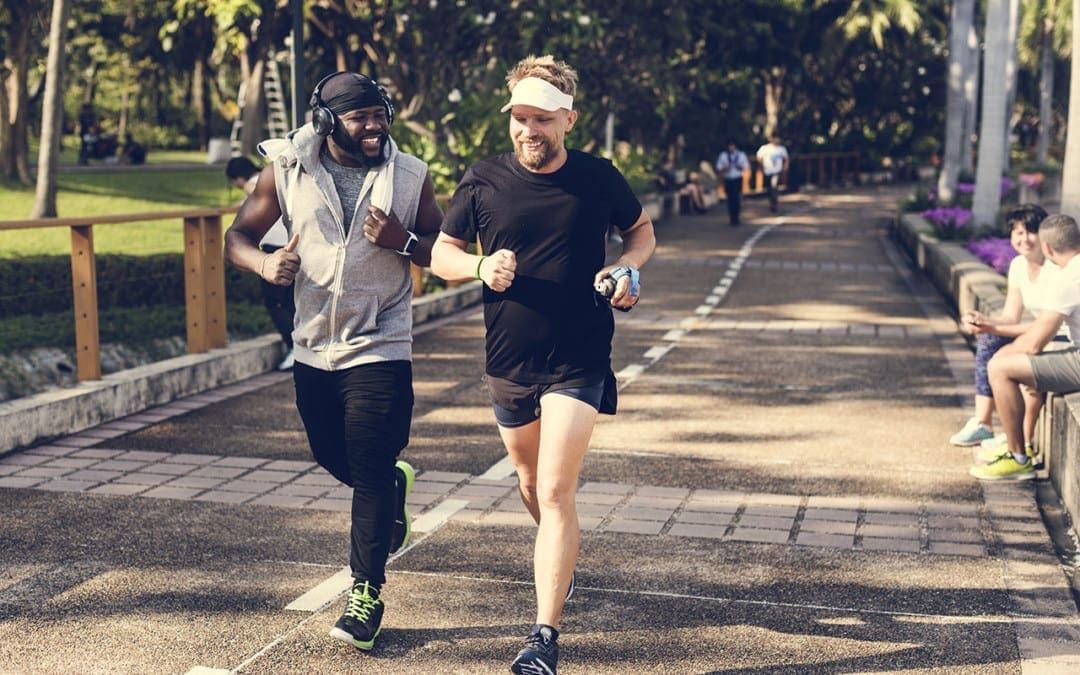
949,222
995,252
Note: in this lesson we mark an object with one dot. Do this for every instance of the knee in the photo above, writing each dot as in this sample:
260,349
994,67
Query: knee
527,488
556,496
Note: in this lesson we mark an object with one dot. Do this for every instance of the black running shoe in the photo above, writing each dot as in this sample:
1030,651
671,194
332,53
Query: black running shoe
541,653
404,475
362,620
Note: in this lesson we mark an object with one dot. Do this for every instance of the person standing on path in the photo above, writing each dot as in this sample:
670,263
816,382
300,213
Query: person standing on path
774,163
278,299
730,165
1023,361
542,213
358,211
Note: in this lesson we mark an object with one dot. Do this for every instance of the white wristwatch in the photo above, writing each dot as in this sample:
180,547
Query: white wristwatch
410,245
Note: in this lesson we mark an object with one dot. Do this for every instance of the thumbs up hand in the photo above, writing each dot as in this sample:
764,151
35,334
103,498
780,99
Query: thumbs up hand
281,266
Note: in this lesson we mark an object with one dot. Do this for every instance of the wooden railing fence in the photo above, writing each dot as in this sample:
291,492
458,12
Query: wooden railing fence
204,278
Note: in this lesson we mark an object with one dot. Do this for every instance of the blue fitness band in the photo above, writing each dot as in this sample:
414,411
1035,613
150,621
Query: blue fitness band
627,271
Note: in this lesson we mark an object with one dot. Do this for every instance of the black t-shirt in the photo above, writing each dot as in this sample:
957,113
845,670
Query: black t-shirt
548,326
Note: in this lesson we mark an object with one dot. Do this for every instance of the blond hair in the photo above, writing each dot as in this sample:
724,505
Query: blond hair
557,73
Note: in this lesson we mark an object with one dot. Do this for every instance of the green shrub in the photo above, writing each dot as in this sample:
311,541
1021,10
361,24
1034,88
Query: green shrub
128,325
42,284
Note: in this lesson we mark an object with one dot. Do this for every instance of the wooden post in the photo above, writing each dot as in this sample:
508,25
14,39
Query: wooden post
417,274
198,341
84,285
214,268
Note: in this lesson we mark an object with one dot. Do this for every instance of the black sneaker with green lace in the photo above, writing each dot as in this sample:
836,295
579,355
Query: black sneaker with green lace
404,475
362,620
541,653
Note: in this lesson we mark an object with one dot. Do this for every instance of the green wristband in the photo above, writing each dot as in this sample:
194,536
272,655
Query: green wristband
478,263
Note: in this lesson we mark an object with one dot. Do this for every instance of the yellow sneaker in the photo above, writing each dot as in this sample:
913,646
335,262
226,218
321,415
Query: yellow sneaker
987,454
1004,467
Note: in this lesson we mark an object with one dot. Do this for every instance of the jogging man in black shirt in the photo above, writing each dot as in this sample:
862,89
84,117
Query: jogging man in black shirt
543,212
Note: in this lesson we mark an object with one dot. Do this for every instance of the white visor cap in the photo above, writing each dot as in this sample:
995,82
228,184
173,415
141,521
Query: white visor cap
539,94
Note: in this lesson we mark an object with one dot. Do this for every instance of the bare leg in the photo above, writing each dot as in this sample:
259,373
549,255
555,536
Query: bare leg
523,446
566,427
984,410
1033,403
1007,372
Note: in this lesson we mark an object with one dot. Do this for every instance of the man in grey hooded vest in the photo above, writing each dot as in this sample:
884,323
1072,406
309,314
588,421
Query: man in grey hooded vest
358,211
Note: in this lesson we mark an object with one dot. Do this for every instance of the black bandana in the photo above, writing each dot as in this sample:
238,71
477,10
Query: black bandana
350,91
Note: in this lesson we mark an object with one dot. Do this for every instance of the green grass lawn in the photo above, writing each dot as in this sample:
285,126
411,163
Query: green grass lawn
112,191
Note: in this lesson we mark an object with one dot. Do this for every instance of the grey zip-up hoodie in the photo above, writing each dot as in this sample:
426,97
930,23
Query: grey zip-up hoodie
353,298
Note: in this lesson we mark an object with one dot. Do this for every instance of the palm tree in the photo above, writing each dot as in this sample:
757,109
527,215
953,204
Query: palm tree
960,21
993,133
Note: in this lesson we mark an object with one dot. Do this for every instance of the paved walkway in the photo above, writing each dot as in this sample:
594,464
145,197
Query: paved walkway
775,495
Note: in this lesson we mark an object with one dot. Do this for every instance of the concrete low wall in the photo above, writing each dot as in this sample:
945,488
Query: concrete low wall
967,283
33,419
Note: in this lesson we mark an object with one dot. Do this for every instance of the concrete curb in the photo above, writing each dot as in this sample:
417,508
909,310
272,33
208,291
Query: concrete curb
61,412
969,284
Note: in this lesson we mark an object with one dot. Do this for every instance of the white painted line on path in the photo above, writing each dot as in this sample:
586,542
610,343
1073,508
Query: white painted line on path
630,372
203,670
499,470
437,517
657,352
324,593
674,335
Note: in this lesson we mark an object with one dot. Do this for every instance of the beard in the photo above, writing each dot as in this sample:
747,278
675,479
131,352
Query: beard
535,160
356,150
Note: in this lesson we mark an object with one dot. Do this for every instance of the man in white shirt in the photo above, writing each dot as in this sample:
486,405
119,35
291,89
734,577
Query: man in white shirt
730,165
1024,363
774,161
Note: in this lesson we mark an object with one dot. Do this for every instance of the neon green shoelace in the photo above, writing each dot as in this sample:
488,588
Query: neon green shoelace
361,603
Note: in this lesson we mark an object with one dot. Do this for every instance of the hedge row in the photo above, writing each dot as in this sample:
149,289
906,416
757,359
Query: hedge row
40,285
127,325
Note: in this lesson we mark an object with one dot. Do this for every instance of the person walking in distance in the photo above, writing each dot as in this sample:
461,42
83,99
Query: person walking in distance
542,212
730,165
278,299
774,163
358,210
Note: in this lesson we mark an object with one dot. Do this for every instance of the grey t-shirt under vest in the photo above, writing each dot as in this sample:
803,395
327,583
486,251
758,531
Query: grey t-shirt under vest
348,180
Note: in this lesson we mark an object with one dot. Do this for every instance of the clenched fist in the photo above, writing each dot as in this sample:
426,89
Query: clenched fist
497,269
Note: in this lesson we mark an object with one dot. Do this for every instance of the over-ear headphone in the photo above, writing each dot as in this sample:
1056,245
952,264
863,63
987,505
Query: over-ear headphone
323,120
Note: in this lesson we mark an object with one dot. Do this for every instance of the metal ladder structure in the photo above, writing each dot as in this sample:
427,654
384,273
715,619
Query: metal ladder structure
277,118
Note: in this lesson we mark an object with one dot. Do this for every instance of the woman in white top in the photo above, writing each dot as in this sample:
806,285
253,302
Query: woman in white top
1029,274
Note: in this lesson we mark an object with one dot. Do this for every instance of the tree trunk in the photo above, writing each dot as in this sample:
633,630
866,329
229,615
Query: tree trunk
51,115
774,91
992,128
200,90
254,112
15,144
1046,85
959,23
1011,73
971,100
1070,175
